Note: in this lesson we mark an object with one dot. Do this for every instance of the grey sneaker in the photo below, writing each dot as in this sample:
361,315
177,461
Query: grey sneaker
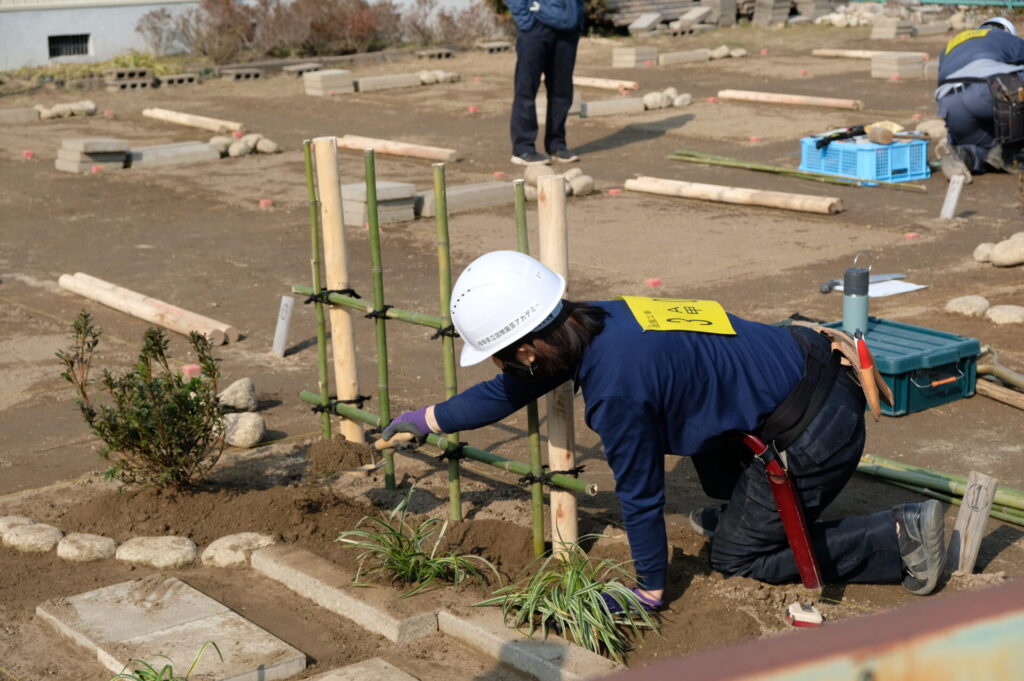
564,156
704,521
922,544
528,157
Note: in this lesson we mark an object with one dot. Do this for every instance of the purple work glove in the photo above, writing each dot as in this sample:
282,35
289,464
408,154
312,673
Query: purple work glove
414,422
647,603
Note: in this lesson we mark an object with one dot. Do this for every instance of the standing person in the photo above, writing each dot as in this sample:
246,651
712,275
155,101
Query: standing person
651,393
965,99
548,33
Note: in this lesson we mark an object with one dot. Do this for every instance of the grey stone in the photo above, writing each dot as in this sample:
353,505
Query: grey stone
239,148
252,139
173,154
267,146
1017,235
737,52
95,145
322,582
670,92
1007,253
611,107
983,252
720,52
244,430
83,548
221,143
234,549
158,552
935,128
572,173
582,185
531,193
469,197
386,191
533,171
683,99
374,669
9,521
653,100
428,77
85,107
34,538
997,314
240,396
375,83
18,116
970,306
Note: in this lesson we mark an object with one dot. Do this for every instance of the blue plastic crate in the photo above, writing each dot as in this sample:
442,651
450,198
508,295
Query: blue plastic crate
901,161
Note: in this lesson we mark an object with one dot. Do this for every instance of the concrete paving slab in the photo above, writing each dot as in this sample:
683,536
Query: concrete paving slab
399,80
611,107
95,145
386,191
97,157
67,166
550,659
322,582
683,57
18,116
467,197
126,610
250,653
170,154
374,669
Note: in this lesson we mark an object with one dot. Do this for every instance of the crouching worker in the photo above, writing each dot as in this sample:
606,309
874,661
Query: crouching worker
649,393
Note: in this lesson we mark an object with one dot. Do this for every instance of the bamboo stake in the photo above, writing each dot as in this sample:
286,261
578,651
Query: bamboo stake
314,259
361,305
1007,496
379,323
956,501
343,342
944,485
192,120
392,148
554,252
444,277
826,205
797,100
567,482
532,414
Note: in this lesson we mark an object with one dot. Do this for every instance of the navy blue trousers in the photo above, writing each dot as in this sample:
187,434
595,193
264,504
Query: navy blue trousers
547,51
969,117
750,540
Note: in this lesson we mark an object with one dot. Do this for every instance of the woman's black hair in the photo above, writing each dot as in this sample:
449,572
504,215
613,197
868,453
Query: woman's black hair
560,345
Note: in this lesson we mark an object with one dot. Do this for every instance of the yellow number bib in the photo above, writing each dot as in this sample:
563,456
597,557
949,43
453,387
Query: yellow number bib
679,314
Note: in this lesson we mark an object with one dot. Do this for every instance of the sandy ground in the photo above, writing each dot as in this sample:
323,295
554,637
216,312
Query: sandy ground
194,236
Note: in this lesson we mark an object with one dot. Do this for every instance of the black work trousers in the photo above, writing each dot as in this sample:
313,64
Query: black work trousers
547,51
750,540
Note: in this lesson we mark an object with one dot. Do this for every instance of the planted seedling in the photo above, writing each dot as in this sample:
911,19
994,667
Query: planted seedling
147,672
569,593
392,546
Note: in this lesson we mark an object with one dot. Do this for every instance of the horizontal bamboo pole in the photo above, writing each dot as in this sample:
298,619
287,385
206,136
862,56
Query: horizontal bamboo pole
192,120
826,205
367,306
861,54
993,512
950,483
392,148
147,309
558,480
796,100
605,83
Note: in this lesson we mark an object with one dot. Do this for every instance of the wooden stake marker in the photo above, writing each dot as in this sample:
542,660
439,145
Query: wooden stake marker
826,205
1007,396
956,185
605,83
971,521
796,100
392,148
192,120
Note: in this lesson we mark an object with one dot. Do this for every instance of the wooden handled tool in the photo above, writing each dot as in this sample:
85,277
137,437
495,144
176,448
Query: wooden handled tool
885,136
867,377
395,439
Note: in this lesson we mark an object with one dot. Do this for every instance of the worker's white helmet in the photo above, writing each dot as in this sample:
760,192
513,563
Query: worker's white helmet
1000,23
499,298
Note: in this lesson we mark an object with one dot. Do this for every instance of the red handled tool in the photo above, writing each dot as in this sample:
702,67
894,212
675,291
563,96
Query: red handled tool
867,375
792,513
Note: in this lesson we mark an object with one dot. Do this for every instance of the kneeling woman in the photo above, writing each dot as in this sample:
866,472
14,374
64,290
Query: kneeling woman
652,393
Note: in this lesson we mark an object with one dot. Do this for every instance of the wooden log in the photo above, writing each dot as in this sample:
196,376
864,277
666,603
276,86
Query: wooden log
554,252
605,83
192,120
860,54
343,337
795,100
970,522
139,306
392,148
826,205
1000,393
231,334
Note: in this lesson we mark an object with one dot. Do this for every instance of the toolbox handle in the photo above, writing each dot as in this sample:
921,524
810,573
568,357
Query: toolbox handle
937,383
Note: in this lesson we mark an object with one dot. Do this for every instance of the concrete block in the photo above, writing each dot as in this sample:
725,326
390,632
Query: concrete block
18,116
91,145
177,79
84,167
327,82
683,57
435,53
127,73
632,57
468,197
298,70
611,107
97,157
398,80
130,85
359,215
323,583
492,46
374,669
386,191
241,74
548,659
692,16
933,28
574,108
645,23
171,154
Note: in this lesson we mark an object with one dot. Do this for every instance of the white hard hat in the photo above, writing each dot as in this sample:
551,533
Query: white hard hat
1000,23
499,298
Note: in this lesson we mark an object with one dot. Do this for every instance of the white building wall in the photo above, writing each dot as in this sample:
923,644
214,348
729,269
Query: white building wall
25,26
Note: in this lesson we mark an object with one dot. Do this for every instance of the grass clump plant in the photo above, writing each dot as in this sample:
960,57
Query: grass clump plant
159,429
147,672
392,546
568,593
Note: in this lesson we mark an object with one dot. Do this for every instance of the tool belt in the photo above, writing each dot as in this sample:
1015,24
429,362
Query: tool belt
1007,104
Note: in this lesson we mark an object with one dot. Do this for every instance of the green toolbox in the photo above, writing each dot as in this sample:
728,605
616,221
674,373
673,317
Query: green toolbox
924,367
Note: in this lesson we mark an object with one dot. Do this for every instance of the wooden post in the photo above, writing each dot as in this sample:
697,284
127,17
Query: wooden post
956,185
797,100
970,522
554,252
605,83
192,120
393,148
343,340
826,205
284,320
1007,396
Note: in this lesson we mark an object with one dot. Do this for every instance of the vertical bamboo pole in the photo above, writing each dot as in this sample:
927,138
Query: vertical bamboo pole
444,266
380,324
554,252
343,341
314,259
532,415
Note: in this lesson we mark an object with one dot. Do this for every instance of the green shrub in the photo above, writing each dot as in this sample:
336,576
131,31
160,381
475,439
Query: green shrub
567,594
146,672
403,551
160,430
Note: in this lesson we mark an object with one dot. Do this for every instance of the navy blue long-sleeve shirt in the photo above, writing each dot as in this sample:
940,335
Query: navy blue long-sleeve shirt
648,394
979,53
